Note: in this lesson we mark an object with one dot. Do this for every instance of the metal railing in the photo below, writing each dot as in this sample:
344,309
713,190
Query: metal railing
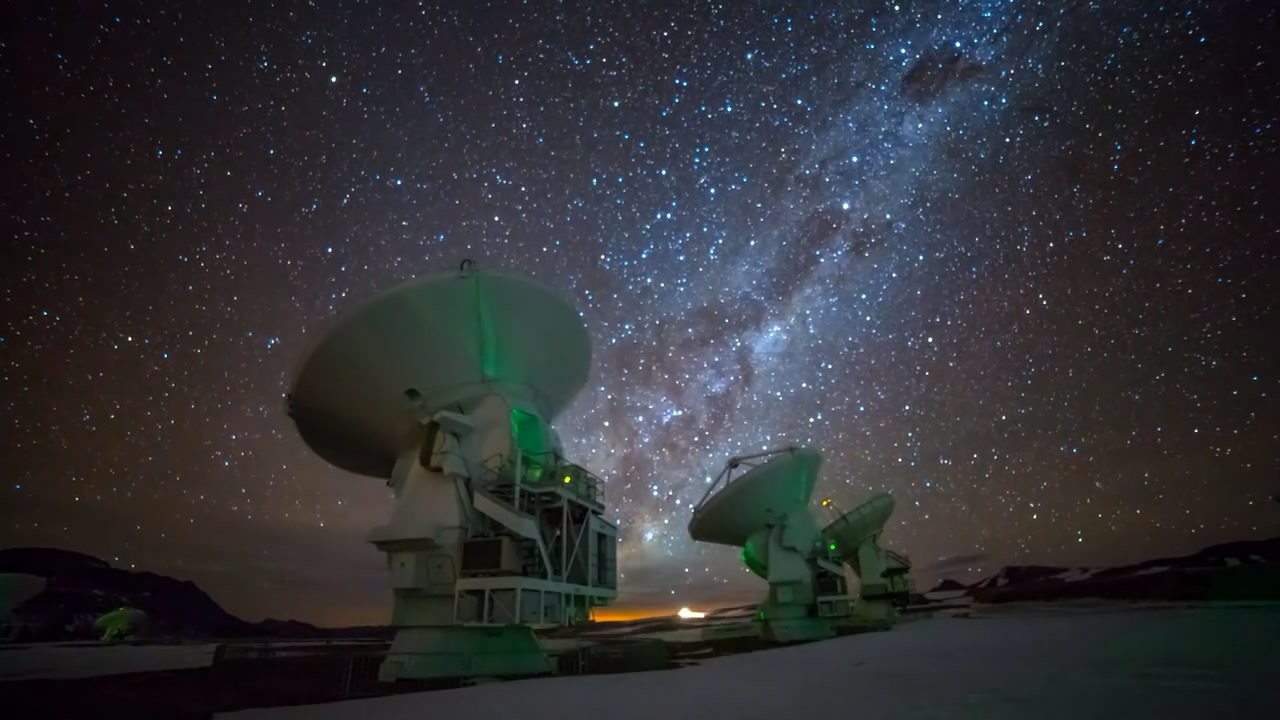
555,471
552,469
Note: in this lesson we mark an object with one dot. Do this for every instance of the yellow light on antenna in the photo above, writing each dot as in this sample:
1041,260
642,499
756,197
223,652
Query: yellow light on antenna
567,479
826,502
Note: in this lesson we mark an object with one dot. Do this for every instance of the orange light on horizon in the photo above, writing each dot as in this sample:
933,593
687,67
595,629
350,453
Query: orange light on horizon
625,614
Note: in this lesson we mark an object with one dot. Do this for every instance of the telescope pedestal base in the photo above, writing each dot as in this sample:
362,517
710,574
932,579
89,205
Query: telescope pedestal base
874,613
464,651
793,630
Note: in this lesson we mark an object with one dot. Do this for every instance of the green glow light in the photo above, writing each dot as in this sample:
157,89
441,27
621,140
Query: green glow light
832,546
753,563
567,479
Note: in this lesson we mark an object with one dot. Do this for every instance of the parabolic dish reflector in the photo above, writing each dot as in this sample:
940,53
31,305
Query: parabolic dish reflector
425,345
757,499
855,527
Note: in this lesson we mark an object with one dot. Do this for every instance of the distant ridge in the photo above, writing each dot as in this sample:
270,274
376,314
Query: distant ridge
1239,571
948,586
80,587
45,562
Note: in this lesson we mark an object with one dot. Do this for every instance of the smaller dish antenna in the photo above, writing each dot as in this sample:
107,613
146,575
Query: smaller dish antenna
760,503
855,536
765,511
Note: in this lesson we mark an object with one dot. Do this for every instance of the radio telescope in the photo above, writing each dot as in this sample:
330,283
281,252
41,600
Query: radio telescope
446,386
765,511
855,535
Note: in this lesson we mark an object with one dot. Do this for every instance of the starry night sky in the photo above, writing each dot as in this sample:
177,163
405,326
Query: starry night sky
1014,262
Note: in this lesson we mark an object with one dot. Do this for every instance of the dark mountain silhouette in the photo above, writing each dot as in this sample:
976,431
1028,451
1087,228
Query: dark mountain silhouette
948,585
79,588
46,562
1239,571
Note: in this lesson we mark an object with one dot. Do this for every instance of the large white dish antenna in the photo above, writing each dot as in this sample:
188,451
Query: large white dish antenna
428,344
759,498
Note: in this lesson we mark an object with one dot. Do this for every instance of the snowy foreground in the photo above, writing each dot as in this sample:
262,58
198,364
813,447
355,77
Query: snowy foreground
1160,663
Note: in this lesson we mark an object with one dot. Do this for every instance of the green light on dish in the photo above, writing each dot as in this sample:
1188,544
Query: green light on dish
831,546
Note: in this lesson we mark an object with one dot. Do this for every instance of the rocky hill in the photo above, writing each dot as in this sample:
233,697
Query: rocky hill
1239,571
948,586
79,588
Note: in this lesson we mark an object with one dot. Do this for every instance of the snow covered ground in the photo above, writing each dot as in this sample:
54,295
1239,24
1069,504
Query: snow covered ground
1162,663
81,660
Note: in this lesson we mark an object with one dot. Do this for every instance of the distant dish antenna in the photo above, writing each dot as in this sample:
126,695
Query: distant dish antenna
765,511
855,535
445,386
